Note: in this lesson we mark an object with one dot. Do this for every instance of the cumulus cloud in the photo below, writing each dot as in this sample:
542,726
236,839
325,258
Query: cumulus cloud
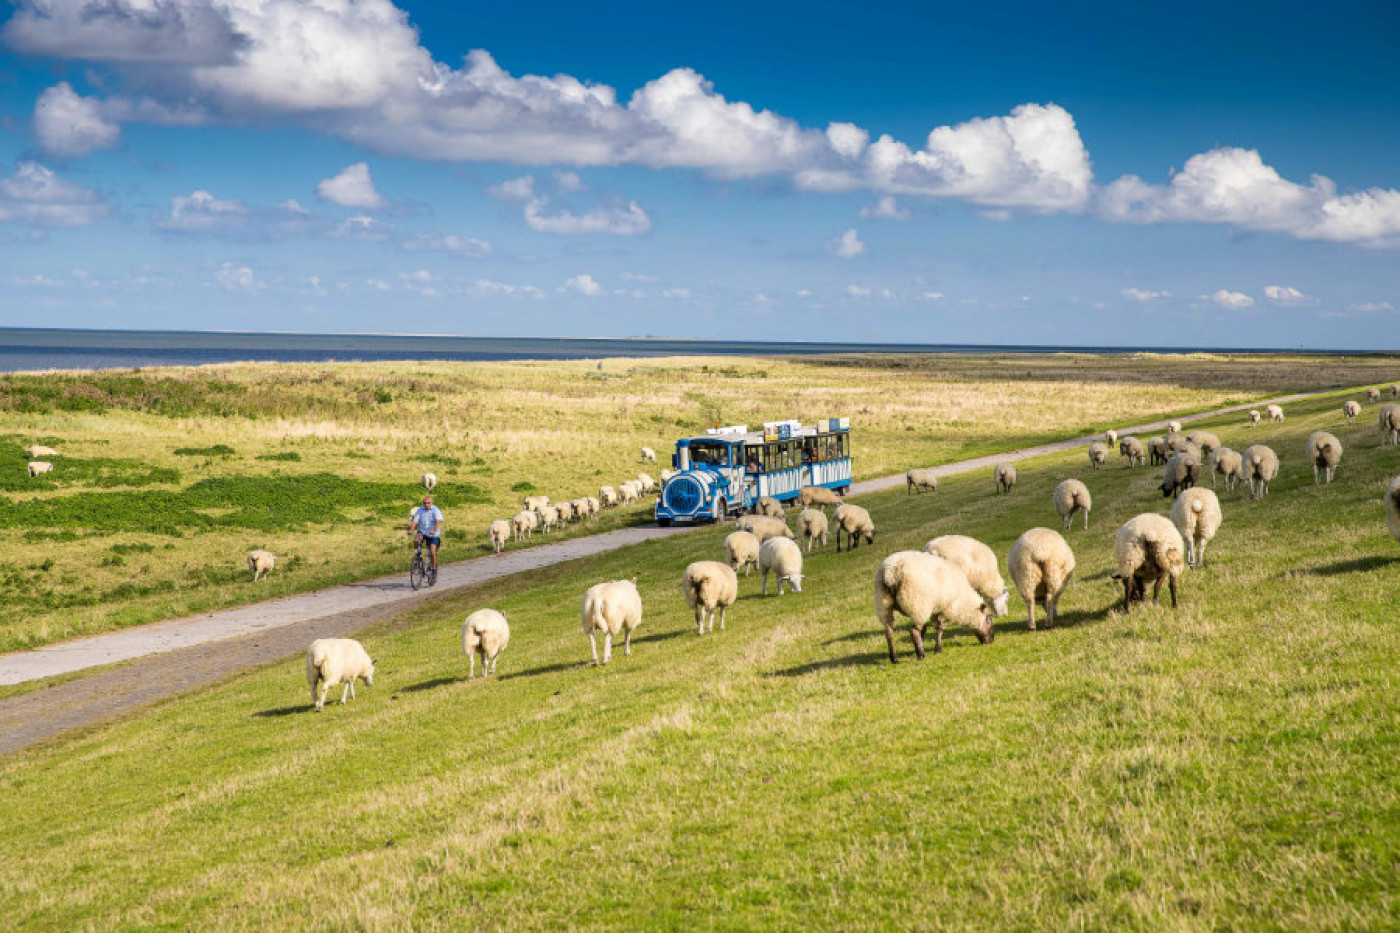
583,285
1229,299
67,124
1286,295
848,245
1140,294
201,212
353,187
932,296
485,288
237,278
36,196
884,209
618,221
470,247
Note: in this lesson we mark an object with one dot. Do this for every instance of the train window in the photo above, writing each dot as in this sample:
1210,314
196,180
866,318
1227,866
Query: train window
709,454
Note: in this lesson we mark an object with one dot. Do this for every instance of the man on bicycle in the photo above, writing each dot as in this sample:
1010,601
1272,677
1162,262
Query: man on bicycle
427,527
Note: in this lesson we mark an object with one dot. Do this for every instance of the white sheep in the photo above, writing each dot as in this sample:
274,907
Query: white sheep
549,517
767,505
1173,427
1207,442
1130,449
485,632
812,527
709,585
1175,442
979,563
1004,475
1395,391
648,455
741,549
628,492
928,588
565,511
1389,422
1098,454
607,496
1392,508
611,608
921,479
332,661
1324,452
35,451
646,483
498,534
1157,451
666,475
1182,471
1148,549
854,523
764,527
1274,412
1041,565
783,557
1229,464
1351,408
1373,394
523,524
1111,437
594,507
1253,417
1072,496
817,495
581,508
1196,514
429,481
1260,468
39,467
535,503
261,562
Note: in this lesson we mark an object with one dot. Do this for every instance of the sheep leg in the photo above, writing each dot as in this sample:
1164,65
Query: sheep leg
917,632
1052,610
607,647
886,614
699,618
471,666
344,692
312,684
1086,519
1128,594
627,643
1156,589
1171,585
593,643
1030,605
1201,554
765,581
321,700
721,619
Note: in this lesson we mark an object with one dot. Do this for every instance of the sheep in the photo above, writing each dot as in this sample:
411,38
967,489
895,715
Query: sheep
1324,451
1196,514
607,496
1004,476
1111,437
1191,450
523,524
1157,447
628,492
817,495
261,562
1373,394
856,523
35,451
979,563
1260,467
1253,417
924,587
565,510
764,527
767,505
1274,412
709,585
784,558
429,481
594,506
1072,496
921,479
812,526
1206,441
1131,450
666,476
1041,565
39,467
332,661
1229,464
741,550
1173,427
498,534
646,482
648,455
1390,423
611,608
1175,441
581,508
1098,455
485,632
549,517
1392,508
1351,409
535,503
1148,549
1181,473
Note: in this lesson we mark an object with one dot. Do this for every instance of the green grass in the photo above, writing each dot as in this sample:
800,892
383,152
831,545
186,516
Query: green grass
1230,765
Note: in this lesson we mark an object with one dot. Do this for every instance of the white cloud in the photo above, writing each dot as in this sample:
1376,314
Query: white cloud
201,212
583,285
884,209
638,277
848,245
470,247
379,285
804,293
35,195
678,293
1371,306
887,294
353,187
361,227
67,124
568,181
618,221
237,278
1140,294
857,291
933,296
485,288
1286,295
1229,299
514,189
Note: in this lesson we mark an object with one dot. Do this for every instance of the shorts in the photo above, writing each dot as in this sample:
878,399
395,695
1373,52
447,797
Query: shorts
434,540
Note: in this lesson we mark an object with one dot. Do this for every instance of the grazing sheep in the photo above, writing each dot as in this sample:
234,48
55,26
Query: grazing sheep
709,585
1196,514
1207,442
1041,565
646,482
784,558
261,562
498,534
1373,394
565,510
535,503
767,505
1190,449
332,661
594,506
817,495
1274,412
924,587
764,527
611,608
1260,468
648,455
812,526
1175,441
1392,508
35,451
1324,452
1148,549
1098,455
666,475
484,632
1253,417
549,517
1130,448
630,491
607,495
1351,409
1229,464
1157,447
979,563
855,522
523,524
1173,427
1111,437
741,549
1072,496
1004,476
581,508
1181,473
921,479
39,467
1389,422
429,481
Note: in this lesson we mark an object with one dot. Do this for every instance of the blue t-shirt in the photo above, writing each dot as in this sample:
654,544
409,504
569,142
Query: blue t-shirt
428,520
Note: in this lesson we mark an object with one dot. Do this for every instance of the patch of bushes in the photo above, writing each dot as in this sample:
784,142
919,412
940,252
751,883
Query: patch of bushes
218,450
523,486
289,456
442,459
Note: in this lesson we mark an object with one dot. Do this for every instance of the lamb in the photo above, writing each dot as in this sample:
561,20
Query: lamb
485,632
1274,412
1098,455
812,526
1389,423
741,549
1173,427
1148,549
764,527
1196,515
817,495
523,524
1392,508
39,467
1041,565
1111,437
1158,449
1351,409
611,608
709,585
498,534
1229,464
1130,448
1181,473
856,523
924,587
549,517
429,481
1072,496
607,496
1206,441
648,455
767,505
261,562
1373,394
35,451
535,503
1260,467
1253,417
646,482
332,661
784,558
1004,476
1324,451
921,479
978,562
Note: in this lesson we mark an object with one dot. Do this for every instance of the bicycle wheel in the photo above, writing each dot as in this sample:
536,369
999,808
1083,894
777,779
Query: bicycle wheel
417,571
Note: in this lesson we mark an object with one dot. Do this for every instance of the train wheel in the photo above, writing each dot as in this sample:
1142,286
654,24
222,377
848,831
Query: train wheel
664,522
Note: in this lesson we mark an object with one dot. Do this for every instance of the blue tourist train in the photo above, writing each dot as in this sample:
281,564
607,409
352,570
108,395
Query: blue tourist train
726,470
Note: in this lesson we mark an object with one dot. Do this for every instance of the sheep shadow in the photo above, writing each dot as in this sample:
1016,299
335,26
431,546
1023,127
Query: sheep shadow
1355,565
431,684
850,660
547,669
282,711
658,636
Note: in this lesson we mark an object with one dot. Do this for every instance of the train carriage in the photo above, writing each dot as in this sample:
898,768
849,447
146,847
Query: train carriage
726,470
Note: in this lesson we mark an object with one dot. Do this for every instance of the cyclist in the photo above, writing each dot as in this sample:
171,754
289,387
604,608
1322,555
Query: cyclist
426,525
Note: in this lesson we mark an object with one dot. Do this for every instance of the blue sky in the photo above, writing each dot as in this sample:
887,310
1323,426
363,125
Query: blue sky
1098,174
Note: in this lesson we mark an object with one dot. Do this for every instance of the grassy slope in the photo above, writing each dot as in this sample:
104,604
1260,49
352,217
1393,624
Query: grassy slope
1228,765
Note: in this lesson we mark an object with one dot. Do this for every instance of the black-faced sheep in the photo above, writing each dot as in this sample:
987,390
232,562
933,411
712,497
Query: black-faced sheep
261,562
1181,473
1041,565
1260,469
1148,549
1098,455
1130,449
1004,476
854,523
927,588
1253,417
1324,452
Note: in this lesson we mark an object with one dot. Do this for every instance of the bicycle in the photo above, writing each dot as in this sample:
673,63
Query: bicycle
418,570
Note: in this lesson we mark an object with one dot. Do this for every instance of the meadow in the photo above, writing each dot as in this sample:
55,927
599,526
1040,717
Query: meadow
1228,765
168,476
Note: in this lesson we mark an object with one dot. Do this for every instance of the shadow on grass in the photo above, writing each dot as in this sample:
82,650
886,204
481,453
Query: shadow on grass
659,636
1355,565
850,660
431,684
283,711
547,669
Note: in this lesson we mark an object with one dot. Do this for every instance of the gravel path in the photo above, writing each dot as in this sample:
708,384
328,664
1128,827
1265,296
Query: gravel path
168,658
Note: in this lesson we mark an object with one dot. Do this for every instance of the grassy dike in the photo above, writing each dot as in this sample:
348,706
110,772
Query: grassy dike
1230,765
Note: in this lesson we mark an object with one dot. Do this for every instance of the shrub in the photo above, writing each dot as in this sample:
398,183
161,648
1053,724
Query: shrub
286,455
218,450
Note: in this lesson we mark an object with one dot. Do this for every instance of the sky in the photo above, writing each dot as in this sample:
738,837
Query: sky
1097,174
